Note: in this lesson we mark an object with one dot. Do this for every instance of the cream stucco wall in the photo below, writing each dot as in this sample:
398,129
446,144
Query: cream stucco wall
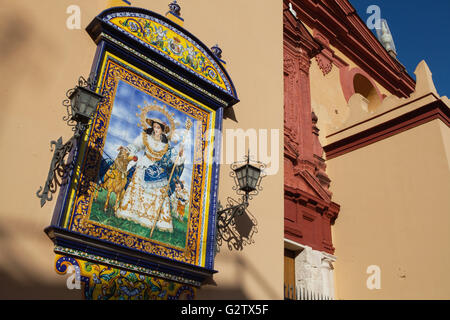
40,59
395,214
327,97
395,208
394,193
352,65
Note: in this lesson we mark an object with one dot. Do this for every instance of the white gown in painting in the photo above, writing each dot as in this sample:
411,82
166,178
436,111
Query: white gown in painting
147,190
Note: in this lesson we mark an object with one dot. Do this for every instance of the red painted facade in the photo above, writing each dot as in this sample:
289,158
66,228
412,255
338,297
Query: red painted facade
338,24
309,209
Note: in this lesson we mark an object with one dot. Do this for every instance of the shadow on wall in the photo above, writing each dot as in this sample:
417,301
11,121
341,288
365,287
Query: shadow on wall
370,95
14,35
22,252
235,289
12,289
224,293
235,226
12,25
229,113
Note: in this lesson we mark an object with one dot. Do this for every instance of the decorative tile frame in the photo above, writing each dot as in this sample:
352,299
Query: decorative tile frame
137,25
102,282
147,59
77,218
122,57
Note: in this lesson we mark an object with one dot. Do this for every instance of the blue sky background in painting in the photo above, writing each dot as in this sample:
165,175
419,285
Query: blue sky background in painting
421,32
123,125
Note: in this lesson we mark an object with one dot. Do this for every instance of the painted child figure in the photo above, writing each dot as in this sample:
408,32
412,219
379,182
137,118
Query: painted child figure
178,200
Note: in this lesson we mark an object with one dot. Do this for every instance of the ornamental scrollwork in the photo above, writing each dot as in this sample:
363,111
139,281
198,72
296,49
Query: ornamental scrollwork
103,282
235,225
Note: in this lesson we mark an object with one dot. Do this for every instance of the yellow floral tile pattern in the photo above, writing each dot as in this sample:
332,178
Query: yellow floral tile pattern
172,44
103,282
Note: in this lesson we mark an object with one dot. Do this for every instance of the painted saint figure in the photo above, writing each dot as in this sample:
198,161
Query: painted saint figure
146,197
179,200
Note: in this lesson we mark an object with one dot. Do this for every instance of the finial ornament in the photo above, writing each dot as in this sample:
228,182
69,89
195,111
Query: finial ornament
175,8
217,51
384,35
291,9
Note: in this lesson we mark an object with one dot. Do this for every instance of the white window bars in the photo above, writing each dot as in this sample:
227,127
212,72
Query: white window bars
292,292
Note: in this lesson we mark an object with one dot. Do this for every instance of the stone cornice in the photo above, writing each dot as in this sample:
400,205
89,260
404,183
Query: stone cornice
297,36
339,23
375,129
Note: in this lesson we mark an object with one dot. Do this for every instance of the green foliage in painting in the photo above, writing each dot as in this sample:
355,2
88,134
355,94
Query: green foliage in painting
177,238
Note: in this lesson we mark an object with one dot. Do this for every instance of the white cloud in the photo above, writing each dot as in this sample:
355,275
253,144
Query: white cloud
125,113
123,131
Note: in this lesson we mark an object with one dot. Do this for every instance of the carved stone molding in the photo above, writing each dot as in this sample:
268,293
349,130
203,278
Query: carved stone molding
307,198
346,32
291,148
304,64
325,64
289,65
314,272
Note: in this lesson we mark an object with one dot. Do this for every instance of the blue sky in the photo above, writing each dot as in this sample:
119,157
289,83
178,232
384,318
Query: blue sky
421,31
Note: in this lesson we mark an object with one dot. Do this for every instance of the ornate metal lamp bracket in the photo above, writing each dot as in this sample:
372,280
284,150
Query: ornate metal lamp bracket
59,167
227,228
226,225
58,171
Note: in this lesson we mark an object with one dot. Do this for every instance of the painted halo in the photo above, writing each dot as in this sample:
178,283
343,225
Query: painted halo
146,122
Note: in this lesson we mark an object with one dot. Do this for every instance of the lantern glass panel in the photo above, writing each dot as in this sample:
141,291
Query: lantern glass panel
248,177
240,173
74,100
243,183
84,103
253,174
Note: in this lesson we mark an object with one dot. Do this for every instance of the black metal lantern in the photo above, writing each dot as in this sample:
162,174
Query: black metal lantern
247,177
80,105
83,102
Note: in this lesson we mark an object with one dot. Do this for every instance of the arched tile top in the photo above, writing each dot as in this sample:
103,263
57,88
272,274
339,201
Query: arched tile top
171,41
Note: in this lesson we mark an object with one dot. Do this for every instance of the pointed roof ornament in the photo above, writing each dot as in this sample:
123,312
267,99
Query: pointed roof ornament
291,9
424,80
174,13
217,51
314,117
384,35
175,8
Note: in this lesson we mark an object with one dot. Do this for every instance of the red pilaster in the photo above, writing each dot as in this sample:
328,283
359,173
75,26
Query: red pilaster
309,211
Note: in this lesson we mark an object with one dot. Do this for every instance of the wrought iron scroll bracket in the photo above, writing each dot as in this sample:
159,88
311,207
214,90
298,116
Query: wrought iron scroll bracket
227,225
227,228
59,169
